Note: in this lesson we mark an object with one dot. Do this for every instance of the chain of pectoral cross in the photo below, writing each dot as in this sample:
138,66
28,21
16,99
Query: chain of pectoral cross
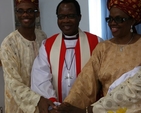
68,77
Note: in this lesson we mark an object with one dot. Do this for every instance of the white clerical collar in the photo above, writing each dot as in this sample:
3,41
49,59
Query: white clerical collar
73,37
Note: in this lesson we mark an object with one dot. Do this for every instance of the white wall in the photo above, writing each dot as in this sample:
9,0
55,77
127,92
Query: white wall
49,19
7,23
6,26
95,17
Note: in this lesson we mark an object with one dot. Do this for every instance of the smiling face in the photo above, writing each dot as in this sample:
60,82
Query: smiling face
26,19
68,20
120,29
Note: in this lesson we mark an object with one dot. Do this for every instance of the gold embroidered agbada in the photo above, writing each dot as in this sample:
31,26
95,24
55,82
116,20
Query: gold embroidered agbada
17,56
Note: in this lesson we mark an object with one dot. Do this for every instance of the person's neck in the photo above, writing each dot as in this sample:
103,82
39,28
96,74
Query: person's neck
125,39
28,33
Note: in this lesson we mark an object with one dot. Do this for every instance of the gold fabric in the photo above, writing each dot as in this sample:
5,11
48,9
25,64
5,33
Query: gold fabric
106,65
17,56
126,95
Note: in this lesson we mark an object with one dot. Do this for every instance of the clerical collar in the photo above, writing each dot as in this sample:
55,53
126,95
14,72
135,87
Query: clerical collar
73,37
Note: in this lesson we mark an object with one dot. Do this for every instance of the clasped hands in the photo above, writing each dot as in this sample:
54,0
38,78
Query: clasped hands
44,105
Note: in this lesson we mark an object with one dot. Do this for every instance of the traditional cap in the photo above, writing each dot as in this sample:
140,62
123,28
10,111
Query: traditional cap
36,2
130,7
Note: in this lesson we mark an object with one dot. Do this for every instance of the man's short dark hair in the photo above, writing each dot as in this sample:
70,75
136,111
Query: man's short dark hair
76,4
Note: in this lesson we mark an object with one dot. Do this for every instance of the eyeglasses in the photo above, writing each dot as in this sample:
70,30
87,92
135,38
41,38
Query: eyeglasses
116,19
69,16
28,11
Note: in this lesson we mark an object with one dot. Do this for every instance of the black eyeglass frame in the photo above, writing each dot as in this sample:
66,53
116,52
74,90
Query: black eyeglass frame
69,16
28,11
116,19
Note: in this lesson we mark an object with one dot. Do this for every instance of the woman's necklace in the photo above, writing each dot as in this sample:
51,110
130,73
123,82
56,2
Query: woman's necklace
121,47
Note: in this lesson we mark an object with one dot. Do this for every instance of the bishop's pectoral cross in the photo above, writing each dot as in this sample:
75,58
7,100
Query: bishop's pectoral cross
68,77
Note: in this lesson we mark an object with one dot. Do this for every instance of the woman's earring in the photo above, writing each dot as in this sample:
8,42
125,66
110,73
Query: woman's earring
131,29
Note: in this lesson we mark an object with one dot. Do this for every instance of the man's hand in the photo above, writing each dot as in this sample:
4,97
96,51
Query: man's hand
68,108
44,105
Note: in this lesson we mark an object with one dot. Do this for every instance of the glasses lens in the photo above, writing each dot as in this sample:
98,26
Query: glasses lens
31,11
20,11
109,19
60,17
71,16
119,19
